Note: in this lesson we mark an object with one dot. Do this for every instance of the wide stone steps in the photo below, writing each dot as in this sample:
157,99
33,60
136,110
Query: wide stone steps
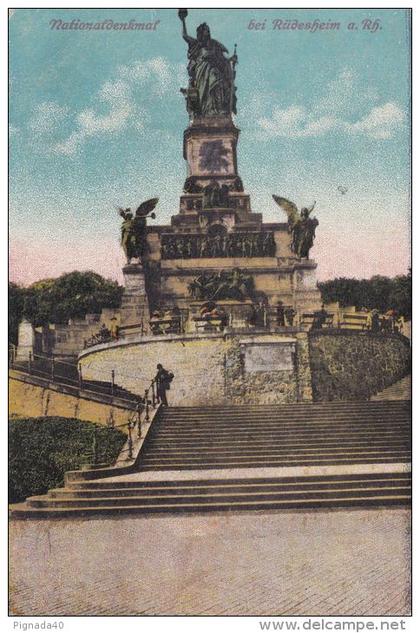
96,498
330,455
195,488
289,435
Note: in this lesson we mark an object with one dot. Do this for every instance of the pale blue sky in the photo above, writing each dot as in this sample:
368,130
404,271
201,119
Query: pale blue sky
97,120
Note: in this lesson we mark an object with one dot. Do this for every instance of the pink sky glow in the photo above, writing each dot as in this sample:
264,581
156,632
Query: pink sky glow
349,254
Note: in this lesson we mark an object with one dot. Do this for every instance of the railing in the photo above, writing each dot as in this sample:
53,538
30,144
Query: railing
166,325
317,320
67,374
135,419
140,406
99,338
12,353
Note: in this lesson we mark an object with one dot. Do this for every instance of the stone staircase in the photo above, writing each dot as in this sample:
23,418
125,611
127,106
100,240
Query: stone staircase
252,458
288,435
400,390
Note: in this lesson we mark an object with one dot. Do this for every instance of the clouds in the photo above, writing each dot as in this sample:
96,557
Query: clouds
47,116
118,98
298,122
381,122
337,110
122,99
129,97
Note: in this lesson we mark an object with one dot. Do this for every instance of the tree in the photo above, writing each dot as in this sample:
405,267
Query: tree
382,293
400,295
72,295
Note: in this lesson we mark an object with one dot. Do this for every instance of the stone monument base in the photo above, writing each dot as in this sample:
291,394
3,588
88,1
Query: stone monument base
134,305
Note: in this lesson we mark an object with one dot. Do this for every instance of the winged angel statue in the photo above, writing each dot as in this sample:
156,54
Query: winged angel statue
133,229
301,226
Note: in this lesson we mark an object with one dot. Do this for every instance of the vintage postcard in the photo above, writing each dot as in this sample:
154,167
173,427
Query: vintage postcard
210,313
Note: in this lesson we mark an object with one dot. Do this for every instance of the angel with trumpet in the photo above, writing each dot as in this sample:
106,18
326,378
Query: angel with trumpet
301,226
133,229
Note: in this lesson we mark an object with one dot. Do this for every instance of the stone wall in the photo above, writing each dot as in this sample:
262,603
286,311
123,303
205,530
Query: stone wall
209,369
353,365
30,396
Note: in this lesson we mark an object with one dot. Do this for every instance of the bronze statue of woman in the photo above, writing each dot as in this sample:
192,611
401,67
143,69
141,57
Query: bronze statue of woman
211,73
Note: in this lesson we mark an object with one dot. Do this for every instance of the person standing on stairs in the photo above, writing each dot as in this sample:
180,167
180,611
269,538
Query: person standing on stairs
163,380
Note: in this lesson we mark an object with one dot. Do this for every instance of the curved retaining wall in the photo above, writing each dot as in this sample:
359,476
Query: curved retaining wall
349,365
209,369
212,369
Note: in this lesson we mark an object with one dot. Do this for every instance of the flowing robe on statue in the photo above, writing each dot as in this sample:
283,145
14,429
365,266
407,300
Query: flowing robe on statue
211,73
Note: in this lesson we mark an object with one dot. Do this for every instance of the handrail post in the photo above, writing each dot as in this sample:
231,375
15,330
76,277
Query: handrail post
52,369
95,445
130,442
153,394
138,421
146,398
30,363
112,382
80,376
110,421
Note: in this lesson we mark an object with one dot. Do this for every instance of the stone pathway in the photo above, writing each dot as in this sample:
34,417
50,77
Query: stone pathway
400,390
297,563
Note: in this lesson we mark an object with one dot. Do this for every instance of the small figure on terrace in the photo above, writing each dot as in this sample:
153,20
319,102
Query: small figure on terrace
163,381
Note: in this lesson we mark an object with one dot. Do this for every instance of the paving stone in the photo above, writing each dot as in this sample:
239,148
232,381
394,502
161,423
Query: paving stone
277,563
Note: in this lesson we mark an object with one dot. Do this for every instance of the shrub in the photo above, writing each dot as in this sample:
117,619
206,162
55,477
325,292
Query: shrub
42,449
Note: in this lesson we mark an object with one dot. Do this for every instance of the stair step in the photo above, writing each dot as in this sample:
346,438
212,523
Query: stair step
275,427
289,452
292,421
77,502
200,488
284,415
267,456
269,464
228,447
301,504
161,433
291,405
289,422
299,480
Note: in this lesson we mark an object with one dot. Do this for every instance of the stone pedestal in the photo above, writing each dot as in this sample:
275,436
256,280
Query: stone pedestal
210,150
134,305
307,297
26,340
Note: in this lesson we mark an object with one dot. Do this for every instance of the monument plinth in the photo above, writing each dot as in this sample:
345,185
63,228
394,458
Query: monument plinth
210,151
134,305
